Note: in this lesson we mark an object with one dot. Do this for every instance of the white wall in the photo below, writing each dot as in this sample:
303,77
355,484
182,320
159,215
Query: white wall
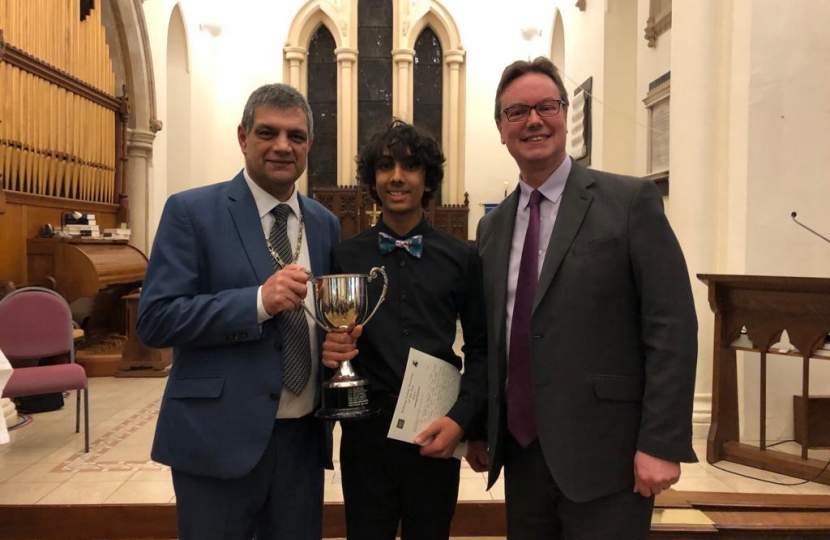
749,143
652,62
493,40
619,101
224,70
787,164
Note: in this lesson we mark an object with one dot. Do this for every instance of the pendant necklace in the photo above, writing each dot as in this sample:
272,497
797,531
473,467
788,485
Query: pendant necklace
276,256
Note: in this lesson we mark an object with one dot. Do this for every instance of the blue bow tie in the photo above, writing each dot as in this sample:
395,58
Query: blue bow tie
414,245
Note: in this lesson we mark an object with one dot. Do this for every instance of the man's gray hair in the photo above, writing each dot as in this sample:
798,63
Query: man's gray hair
276,96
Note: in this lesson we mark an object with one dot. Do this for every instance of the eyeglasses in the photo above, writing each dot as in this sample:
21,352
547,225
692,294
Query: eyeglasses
517,113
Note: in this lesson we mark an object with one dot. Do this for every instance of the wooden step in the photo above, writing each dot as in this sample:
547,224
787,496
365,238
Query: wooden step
677,515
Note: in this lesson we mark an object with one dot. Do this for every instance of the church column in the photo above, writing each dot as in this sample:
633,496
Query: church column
453,147
146,196
402,60
296,58
346,115
296,61
698,162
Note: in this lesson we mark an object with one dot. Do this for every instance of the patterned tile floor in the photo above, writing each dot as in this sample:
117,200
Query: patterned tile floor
45,463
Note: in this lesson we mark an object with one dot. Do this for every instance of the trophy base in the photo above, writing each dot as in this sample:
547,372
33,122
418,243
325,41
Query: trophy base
346,414
346,402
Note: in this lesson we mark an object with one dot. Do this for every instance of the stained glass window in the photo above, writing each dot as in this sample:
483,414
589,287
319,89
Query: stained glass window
322,96
374,71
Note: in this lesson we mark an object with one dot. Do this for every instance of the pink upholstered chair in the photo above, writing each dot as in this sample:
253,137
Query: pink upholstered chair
37,323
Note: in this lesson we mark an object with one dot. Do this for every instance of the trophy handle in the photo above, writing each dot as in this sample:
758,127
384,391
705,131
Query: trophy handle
373,273
320,323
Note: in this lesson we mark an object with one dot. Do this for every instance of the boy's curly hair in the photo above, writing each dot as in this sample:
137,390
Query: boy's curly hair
402,141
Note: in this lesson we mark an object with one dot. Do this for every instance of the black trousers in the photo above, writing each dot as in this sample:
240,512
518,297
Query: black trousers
537,509
280,499
387,482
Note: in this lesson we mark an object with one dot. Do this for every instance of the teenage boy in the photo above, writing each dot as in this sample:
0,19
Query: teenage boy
434,279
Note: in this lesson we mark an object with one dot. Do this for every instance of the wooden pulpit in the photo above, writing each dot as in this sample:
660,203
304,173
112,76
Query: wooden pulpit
139,360
765,306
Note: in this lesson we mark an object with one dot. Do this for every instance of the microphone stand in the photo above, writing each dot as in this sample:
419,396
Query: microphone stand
809,229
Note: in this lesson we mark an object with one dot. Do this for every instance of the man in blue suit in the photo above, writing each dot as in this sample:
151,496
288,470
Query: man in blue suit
223,288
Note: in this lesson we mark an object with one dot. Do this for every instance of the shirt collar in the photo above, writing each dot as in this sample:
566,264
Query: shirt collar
551,188
420,228
265,202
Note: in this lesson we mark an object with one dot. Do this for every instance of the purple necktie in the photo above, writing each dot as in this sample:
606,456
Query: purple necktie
521,414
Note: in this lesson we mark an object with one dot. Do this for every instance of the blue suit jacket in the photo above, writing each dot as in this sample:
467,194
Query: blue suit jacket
200,296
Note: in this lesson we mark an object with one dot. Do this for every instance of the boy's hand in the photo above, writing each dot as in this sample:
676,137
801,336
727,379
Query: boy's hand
440,438
340,346
477,455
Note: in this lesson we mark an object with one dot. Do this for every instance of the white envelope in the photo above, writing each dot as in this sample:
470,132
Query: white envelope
429,390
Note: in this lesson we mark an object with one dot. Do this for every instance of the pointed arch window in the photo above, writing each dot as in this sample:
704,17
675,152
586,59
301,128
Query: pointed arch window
322,97
374,69
375,50
428,82
428,98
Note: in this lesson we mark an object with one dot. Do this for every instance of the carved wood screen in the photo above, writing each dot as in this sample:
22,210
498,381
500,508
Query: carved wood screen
62,130
356,210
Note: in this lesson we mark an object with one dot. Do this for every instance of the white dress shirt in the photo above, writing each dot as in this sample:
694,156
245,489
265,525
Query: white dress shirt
291,406
551,189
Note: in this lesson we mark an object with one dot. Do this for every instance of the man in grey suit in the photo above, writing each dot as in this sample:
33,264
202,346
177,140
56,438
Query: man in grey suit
592,333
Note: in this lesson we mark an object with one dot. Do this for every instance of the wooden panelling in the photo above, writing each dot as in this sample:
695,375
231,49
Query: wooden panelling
356,211
817,421
12,245
24,217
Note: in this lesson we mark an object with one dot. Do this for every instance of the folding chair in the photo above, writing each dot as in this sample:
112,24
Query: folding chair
37,323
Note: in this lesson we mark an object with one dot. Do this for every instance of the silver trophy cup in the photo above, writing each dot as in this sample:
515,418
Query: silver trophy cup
342,301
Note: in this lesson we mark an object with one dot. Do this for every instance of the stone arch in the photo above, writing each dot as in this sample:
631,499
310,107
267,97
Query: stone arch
305,23
134,51
433,14
340,20
134,44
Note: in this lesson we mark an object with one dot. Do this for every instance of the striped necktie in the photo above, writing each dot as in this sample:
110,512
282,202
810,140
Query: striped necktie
296,344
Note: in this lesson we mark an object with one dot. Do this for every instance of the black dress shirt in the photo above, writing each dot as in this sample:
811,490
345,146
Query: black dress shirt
426,297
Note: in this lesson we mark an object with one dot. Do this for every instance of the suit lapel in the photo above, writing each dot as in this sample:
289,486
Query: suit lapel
502,235
314,233
245,215
498,258
576,199
318,248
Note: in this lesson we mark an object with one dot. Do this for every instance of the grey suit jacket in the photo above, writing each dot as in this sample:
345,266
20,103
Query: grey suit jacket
614,334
